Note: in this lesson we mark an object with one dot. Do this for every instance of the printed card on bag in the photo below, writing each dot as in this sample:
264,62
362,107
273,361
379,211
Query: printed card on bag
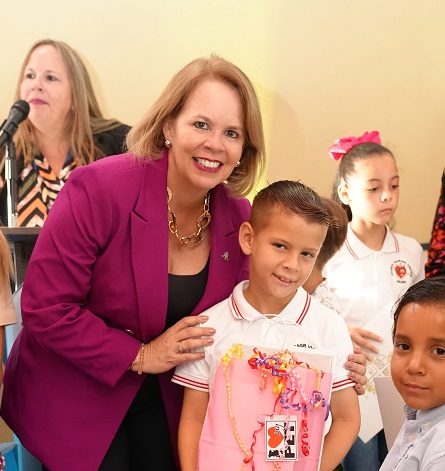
281,438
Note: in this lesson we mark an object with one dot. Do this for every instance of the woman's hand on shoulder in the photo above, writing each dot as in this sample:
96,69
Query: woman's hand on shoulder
176,345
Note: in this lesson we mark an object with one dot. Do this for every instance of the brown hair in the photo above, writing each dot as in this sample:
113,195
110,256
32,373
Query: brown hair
429,291
85,118
347,166
336,234
292,197
146,139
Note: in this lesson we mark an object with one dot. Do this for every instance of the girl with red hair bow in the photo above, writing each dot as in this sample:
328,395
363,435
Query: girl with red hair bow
370,271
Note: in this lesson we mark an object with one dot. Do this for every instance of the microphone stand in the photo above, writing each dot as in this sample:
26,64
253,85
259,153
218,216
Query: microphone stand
11,183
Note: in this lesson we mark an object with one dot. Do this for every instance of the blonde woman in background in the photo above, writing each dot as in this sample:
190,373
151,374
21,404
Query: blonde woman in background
65,128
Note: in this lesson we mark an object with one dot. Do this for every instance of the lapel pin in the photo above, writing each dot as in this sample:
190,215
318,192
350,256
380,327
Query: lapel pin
225,256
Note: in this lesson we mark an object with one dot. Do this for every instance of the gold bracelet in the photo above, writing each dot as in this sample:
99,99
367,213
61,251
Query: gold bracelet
141,358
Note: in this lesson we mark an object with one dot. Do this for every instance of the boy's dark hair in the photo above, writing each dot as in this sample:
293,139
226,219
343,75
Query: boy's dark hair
347,167
430,291
336,234
292,197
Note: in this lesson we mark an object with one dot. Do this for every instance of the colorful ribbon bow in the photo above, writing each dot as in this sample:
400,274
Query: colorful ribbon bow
343,145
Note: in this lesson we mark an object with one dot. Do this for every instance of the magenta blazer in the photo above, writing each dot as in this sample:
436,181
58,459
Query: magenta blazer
96,287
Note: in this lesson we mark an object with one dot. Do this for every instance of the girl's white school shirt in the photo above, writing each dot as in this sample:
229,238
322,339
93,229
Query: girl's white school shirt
364,281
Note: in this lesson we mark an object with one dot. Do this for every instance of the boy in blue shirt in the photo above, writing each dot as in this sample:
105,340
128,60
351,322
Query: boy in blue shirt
418,371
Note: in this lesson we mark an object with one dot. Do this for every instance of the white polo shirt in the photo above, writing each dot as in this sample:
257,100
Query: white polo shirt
365,281
311,325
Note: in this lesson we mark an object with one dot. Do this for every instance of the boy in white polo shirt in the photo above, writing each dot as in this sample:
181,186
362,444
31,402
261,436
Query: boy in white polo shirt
287,227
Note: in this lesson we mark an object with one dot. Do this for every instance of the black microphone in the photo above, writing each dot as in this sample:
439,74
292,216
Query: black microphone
18,113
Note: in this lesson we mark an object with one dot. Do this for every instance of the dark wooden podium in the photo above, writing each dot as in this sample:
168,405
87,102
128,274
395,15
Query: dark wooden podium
21,241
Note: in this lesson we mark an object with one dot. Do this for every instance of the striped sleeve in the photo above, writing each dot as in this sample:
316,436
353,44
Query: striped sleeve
193,374
342,384
183,379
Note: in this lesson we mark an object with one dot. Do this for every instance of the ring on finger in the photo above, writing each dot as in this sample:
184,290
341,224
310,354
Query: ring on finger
180,348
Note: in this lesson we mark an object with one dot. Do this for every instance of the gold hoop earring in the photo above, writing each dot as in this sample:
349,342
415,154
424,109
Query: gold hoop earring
168,143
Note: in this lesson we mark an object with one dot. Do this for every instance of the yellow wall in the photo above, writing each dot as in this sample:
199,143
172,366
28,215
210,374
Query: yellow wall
322,68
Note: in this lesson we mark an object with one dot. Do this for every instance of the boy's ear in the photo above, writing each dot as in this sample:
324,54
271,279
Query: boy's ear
245,238
343,192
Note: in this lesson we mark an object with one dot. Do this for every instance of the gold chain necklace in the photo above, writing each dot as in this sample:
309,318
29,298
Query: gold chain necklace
203,221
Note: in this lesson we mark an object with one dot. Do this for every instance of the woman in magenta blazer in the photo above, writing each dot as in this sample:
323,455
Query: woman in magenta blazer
132,246
110,285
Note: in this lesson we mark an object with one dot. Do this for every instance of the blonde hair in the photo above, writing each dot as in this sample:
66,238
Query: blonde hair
6,267
146,139
85,117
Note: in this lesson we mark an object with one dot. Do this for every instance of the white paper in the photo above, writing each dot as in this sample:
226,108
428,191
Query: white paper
391,408
380,324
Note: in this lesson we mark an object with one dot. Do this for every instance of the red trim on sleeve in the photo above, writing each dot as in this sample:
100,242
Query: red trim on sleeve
190,383
343,383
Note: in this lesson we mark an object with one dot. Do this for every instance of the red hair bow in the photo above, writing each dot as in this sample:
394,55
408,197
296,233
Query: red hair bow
343,145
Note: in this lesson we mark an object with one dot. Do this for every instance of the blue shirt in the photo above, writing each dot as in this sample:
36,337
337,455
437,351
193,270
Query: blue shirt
420,444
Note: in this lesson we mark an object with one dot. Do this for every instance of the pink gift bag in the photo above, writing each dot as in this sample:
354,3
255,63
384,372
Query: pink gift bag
265,416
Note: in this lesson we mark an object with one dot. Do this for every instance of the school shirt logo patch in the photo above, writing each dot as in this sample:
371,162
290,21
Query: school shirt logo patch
401,271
